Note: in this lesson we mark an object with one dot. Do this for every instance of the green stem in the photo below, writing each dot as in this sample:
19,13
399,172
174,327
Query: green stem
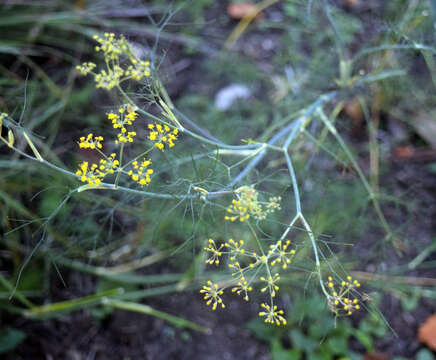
20,297
362,177
265,258
192,134
256,237
293,180
117,179
285,233
70,305
108,186
315,251
136,158
101,153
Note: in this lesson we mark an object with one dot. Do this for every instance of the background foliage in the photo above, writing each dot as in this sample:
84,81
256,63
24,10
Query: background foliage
76,257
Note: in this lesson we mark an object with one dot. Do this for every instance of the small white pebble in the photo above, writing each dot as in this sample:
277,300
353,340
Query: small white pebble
225,97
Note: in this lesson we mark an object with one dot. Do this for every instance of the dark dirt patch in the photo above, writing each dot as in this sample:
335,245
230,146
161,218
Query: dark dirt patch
125,335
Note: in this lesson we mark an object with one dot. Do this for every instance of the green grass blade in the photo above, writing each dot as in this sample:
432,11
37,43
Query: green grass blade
54,309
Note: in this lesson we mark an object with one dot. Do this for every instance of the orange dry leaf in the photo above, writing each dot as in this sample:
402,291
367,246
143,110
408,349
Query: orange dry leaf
239,10
376,356
354,110
404,152
352,2
427,332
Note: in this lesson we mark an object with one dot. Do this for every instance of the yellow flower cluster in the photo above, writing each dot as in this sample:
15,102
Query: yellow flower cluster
212,295
238,211
110,164
248,204
121,63
271,285
281,253
140,171
91,142
273,204
236,248
111,47
110,78
341,300
242,287
122,119
86,68
162,135
94,174
272,315
138,70
245,267
90,174
115,51
141,174
215,252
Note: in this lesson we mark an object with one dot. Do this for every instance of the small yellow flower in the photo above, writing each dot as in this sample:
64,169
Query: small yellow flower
248,205
116,51
237,210
120,121
272,315
237,269
90,174
341,300
139,69
235,248
281,253
110,78
90,142
125,137
111,47
215,252
212,295
109,165
271,285
274,203
242,288
86,68
162,135
140,172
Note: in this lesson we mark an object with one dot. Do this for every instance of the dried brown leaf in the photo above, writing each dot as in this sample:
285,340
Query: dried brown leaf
427,332
404,152
376,356
239,10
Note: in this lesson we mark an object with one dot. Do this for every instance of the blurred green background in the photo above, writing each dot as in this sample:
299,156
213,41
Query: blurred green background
72,261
